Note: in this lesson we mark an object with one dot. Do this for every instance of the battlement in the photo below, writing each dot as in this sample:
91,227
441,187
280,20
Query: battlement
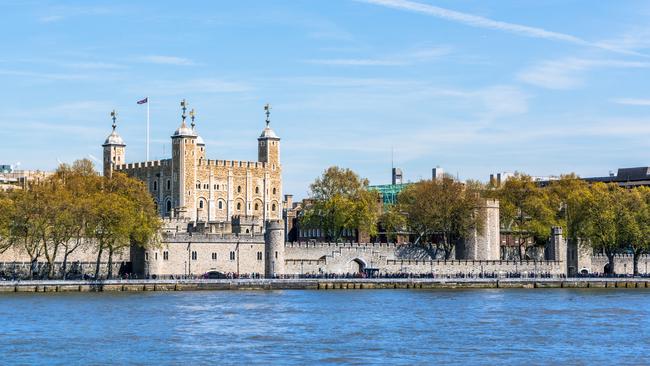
622,256
340,245
184,237
234,164
463,262
142,164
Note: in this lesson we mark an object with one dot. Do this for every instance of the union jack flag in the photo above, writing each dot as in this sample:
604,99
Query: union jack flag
143,101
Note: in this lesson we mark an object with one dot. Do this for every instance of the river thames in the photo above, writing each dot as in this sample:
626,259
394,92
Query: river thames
328,327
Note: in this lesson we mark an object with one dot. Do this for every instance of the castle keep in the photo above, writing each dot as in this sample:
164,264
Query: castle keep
191,187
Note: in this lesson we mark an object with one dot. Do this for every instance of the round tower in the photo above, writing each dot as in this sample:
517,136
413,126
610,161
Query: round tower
274,243
114,149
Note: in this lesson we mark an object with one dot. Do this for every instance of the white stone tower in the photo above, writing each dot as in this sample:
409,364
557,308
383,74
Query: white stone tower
184,158
274,241
114,149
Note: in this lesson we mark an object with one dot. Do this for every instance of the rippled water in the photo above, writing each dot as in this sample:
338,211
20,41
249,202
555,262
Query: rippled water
304,327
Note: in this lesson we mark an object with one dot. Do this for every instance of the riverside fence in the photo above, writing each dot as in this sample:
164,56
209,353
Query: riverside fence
318,284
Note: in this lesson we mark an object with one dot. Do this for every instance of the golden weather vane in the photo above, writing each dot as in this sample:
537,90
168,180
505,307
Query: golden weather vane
267,111
114,118
184,108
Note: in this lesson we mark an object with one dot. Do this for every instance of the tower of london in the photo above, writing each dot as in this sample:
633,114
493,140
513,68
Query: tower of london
213,194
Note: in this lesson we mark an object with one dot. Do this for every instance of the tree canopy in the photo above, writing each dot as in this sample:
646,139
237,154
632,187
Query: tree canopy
441,213
340,200
51,218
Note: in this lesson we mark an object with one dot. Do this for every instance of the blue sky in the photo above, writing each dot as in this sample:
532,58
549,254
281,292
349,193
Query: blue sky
477,87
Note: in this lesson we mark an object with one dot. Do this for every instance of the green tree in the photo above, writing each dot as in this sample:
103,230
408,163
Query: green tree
341,200
72,187
393,220
525,211
28,224
123,214
441,213
604,219
637,205
7,212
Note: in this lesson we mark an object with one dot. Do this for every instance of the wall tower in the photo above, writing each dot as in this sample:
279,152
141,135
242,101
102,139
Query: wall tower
114,149
274,242
184,158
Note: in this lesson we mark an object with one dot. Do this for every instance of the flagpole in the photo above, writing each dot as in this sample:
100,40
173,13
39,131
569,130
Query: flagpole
148,128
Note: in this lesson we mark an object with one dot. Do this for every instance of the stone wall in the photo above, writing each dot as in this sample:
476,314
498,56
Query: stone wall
194,255
16,262
623,264
342,258
85,253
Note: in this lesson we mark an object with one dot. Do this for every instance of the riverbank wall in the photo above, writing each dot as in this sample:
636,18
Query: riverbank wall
316,284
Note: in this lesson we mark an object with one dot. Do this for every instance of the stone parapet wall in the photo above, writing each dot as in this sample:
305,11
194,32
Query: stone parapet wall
212,238
475,267
85,253
75,270
623,264
195,258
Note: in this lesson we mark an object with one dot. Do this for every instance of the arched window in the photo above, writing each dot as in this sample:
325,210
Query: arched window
220,205
273,207
273,190
238,206
257,207
169,206
200,203
257,189
238,189
169,184
155,185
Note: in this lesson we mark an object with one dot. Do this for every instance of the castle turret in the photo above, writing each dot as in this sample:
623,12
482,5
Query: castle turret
114,149
268,144
200,144
184,158
274,242
558,250
484,245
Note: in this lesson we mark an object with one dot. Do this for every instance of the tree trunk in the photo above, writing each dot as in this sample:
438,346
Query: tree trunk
32,266
99,259
64,265
635,260
610,261
110,263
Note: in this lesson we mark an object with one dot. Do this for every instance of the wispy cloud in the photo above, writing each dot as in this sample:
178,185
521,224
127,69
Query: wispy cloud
166,60
567,73
355,62
195,86
407,58
94,65
632,101
487,23
39,75
60,13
